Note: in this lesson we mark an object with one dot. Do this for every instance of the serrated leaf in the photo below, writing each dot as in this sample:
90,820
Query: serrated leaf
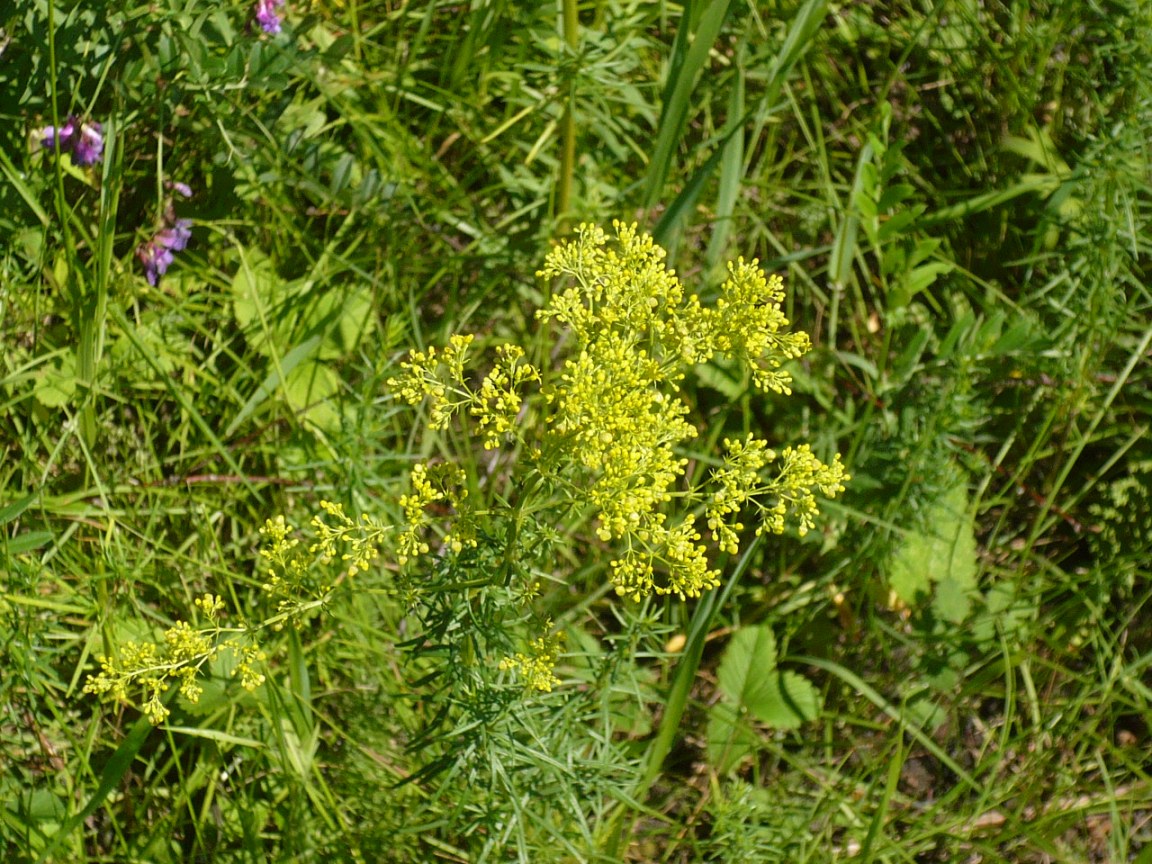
730,738
56,382
953,600
788,703
944,558
749,680
748,666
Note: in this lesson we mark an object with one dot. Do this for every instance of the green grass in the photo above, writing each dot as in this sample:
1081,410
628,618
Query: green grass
957,197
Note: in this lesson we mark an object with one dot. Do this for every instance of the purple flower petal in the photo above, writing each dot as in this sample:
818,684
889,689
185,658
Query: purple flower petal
89,145
174,237
267,15
51,137
183,188
156,260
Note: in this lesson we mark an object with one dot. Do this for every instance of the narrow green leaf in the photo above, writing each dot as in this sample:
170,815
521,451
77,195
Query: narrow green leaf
13,510
22,543
805,23
689,57
731,172
844,246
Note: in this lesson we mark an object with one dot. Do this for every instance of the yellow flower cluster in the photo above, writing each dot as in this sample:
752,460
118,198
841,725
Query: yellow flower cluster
178,658
747,324
738,483
614,415
618,409
537,668
440,381
438,378
355,542
431,484
498,402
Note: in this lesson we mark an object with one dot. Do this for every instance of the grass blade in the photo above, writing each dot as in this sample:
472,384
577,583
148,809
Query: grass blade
685,65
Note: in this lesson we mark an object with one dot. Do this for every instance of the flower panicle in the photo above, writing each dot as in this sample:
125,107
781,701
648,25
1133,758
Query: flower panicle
536,667
614,417
177,657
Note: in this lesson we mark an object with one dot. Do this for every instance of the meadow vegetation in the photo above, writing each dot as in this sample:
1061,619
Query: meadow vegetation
575,432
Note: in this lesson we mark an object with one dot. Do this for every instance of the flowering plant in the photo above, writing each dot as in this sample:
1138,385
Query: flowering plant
599,436
83,140
610,422
156,254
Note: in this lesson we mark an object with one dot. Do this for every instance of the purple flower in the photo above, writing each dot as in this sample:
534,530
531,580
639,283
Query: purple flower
156,259
176,236
267,15
172,236
51,137
84,140
89,145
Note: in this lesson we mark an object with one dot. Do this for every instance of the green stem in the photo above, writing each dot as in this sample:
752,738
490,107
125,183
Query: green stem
571,24
682,681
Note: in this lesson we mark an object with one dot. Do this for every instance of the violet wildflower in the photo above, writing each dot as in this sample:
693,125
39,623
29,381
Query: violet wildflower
267,14
51,137
173,236
89,145
156,259
85,140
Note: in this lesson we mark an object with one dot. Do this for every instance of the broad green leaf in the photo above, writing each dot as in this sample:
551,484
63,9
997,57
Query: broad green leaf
953,600
748,666
306,120
748,678
256,292
919,279
309,388
789,702
343,316
56,382
730,738
43,806
942,556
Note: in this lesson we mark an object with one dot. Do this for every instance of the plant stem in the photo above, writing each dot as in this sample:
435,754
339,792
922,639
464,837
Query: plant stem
682,680
570,26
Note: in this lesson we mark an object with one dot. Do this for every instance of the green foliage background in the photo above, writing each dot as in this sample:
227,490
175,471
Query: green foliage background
952,667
